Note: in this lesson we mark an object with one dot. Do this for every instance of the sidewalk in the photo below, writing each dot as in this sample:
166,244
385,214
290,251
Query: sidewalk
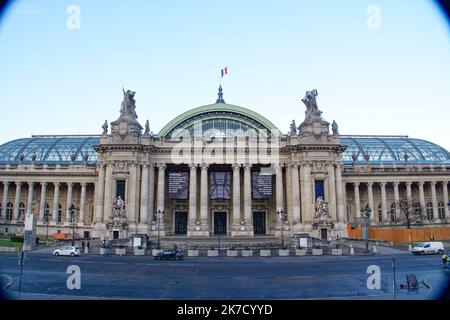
381,247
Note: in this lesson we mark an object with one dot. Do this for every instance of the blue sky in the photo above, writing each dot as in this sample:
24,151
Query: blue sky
392,80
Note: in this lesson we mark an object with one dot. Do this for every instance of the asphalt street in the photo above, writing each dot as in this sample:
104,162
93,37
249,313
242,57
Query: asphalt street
141,277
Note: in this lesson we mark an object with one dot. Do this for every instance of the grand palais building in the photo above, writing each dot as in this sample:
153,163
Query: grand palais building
223,169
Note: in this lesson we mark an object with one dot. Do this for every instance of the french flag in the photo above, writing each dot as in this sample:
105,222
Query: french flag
224,71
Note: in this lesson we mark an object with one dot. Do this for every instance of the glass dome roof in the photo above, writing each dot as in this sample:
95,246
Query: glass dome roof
378,149
50,149
387,149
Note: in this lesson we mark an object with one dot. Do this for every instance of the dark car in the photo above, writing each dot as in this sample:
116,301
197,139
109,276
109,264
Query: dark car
168,254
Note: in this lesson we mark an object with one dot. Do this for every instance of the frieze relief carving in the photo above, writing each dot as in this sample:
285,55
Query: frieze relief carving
319,167
121,167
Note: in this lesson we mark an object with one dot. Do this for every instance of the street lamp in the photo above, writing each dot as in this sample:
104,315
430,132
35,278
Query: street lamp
160,214
366,213
47,218
219,231
73,211
280,214
448,204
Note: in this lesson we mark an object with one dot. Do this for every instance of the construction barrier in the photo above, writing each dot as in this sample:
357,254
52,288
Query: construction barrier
401,234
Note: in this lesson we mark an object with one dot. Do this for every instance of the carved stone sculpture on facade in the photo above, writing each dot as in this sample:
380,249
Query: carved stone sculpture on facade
128,107
312,110
105,127
293,128
147,128
119,208
322,218
334,128
118,219
127,123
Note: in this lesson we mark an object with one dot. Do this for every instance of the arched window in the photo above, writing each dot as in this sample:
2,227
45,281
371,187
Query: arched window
380,213
21,210
430,215
393,212
59,213
441,210
9,211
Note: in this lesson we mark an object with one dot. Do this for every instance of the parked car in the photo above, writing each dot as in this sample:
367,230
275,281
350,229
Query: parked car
168,254
429,247
67,251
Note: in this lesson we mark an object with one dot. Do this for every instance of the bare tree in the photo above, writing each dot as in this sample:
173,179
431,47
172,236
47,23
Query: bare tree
410,213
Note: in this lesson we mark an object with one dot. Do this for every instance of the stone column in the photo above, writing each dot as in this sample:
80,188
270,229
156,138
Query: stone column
30,198
409,193
192,195
161,187
144,195
5,198
340,194
236,196
332,192
295,194
108,197
435,202
132,210
303,205
371,203
100,193
357,200
248,196
445,190
69,201
279,187
204,219
17,201
422,198
383,202
42,202
82,203
396,200
309,206
151,196
55,202
289,206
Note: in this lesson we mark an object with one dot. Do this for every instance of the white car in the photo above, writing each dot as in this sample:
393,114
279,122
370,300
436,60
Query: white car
67,251
429,247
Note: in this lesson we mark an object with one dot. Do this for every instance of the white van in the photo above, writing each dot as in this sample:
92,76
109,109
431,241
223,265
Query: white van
429,247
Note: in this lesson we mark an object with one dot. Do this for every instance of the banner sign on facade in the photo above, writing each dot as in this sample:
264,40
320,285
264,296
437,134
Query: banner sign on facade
220,185
178,185
261,186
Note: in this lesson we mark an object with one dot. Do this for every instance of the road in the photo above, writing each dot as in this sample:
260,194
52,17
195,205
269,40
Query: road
137,277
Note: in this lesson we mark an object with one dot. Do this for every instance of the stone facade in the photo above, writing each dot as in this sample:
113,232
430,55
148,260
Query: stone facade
301,162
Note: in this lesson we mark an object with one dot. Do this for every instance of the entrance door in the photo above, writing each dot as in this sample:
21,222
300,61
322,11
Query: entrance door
324,234
181,222
259,222
220,223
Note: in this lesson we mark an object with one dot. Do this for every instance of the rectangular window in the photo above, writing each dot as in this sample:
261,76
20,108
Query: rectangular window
120,189
319,188
220,185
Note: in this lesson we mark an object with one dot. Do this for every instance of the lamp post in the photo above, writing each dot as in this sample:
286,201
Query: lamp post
47,218
365,212
73,211
160,214
448,204
280,214
219,231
